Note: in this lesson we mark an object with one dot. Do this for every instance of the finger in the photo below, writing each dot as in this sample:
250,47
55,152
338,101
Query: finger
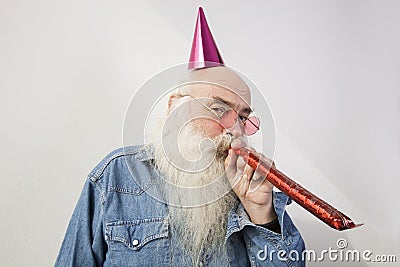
255,184
231,160
245,180
235,181
240,183
244,185
256,176
260,183
241,164
264,188
249,171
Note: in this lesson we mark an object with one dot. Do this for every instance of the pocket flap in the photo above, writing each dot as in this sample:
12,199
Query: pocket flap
135,234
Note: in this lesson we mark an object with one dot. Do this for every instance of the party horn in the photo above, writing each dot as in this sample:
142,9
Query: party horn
318,207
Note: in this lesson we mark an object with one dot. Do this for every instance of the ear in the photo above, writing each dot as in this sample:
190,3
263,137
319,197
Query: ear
172,101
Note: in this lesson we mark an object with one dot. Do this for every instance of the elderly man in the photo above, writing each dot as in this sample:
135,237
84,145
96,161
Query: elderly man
184,198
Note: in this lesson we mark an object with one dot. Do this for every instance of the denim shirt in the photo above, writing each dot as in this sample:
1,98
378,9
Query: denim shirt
117,222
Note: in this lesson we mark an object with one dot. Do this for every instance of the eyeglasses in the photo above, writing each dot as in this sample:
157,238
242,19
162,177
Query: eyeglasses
228,117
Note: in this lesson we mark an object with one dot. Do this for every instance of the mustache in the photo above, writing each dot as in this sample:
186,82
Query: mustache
223,144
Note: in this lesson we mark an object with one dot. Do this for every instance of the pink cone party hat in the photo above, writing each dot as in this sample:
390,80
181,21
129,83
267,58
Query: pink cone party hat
204,49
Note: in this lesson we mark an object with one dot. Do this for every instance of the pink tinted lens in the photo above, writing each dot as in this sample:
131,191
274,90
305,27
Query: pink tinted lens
228,118
251,125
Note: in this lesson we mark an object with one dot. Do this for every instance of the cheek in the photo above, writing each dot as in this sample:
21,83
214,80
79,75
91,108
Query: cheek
209,128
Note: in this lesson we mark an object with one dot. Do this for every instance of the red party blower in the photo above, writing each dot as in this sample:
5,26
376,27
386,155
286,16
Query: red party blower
299,194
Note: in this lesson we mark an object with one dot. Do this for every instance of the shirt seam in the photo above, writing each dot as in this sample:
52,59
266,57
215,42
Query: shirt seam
97,175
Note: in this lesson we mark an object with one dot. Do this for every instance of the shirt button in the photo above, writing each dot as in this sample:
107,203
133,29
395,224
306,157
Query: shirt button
135,242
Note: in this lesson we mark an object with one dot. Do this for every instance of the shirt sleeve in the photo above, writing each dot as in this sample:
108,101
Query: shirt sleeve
83,244
265,246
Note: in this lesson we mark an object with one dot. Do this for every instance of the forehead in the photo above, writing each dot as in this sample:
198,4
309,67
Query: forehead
220,83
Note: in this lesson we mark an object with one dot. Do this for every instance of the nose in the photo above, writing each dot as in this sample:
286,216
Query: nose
237,129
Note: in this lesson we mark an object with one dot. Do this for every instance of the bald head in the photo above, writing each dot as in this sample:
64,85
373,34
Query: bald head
215,82
224,77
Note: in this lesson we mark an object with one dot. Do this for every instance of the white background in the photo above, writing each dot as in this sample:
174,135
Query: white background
329,70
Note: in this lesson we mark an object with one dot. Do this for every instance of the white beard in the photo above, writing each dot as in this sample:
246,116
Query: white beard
196,163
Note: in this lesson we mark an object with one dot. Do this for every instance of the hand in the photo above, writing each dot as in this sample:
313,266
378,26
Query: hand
254,191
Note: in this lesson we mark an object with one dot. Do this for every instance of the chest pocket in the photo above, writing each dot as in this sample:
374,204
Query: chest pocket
143,242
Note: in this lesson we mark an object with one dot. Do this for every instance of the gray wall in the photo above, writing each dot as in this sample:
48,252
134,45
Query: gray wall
329,70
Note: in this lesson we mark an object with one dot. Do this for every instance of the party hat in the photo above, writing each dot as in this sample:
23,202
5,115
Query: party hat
204,49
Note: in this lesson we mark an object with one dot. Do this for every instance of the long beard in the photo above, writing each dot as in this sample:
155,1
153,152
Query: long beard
197,217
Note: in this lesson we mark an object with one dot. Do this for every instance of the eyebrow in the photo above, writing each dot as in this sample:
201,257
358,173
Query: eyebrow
245,110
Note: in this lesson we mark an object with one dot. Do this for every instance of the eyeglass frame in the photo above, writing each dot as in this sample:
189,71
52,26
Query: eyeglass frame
219,116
